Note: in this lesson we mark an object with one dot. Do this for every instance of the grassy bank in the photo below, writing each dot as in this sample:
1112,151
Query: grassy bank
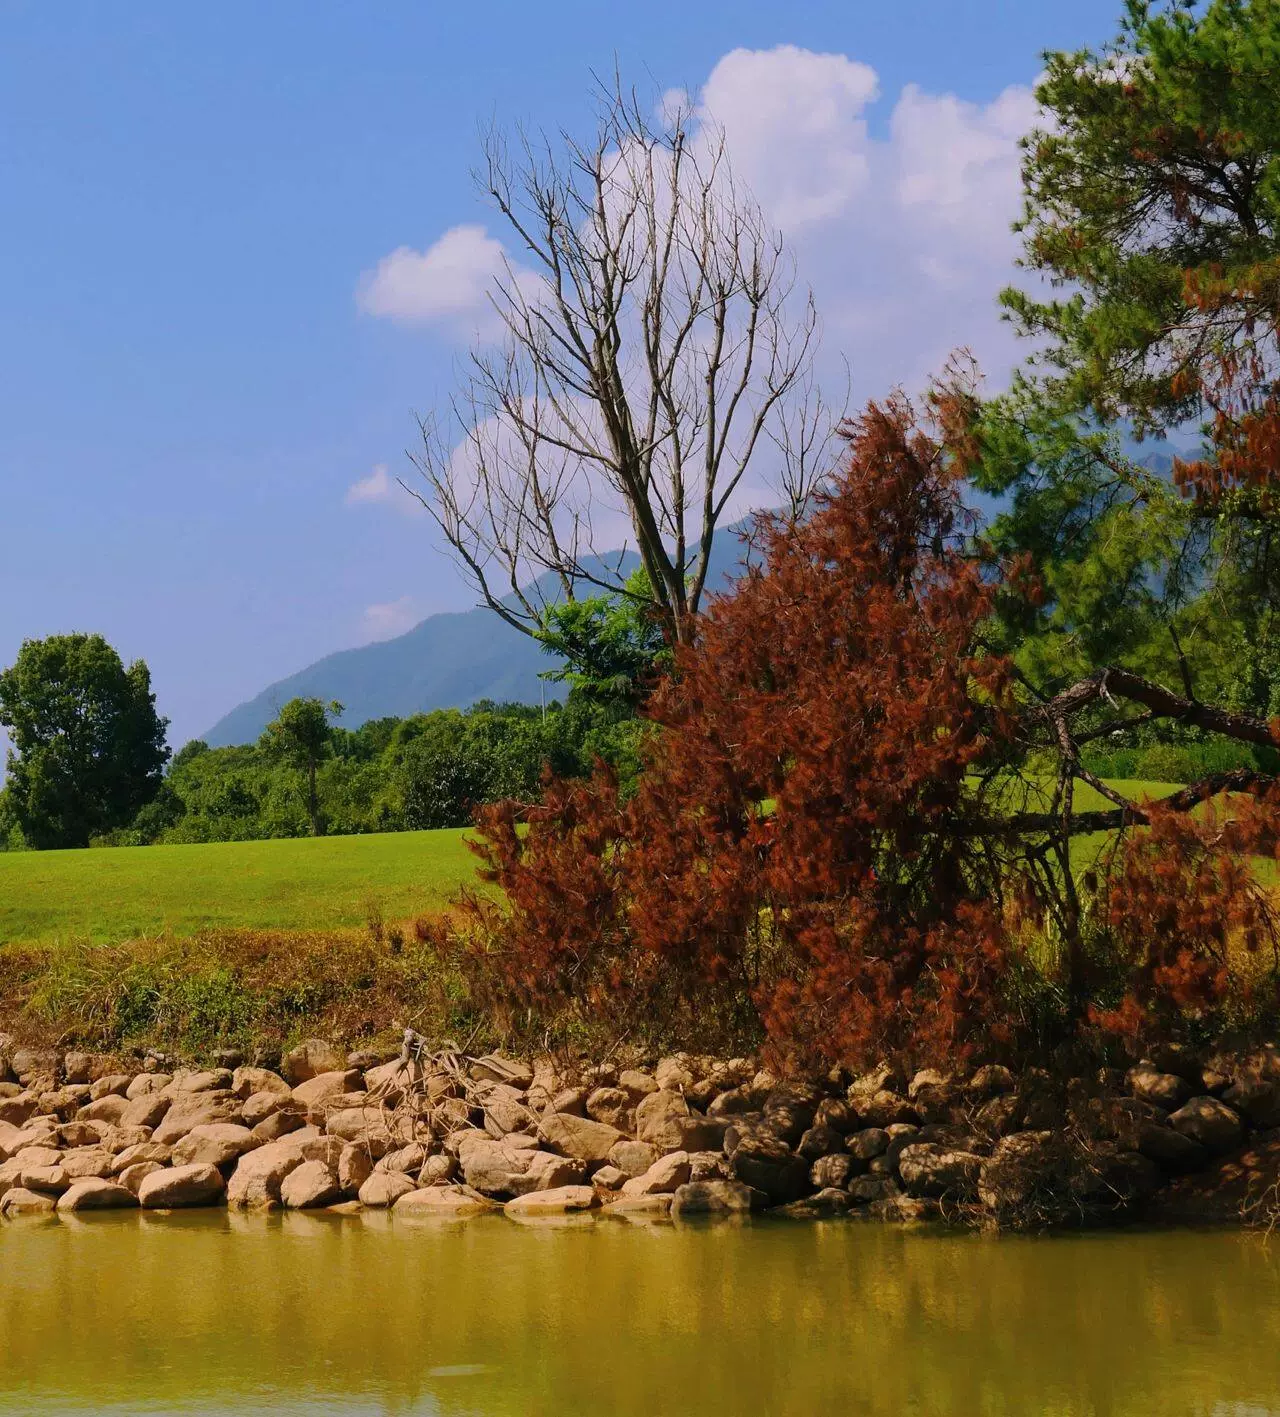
330,883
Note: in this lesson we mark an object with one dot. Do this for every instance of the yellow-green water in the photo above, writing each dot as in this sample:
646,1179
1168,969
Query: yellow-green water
288,1315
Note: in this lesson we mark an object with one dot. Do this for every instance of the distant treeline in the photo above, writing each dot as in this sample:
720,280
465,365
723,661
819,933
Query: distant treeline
391,774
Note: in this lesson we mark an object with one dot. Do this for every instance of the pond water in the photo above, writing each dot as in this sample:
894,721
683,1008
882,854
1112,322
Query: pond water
295,1314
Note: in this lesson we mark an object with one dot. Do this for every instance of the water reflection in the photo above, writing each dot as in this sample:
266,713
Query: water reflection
216,1312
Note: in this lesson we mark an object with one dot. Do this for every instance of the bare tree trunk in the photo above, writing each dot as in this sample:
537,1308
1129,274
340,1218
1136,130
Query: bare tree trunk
655,349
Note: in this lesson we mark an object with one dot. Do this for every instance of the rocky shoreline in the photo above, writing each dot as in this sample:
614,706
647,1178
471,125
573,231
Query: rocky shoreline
446,1134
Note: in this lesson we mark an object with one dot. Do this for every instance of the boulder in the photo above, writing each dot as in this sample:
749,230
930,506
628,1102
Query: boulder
664,1177
825,1205
709,1166
505,1112
448,1202
214,1144
579,1136
143,1151
117,1083
36,1068
182,1186
717,1198
612,1106
1210,1122
96,1194
256,1181
145,1084
84,1163
767,1165
637,1084
835,1113
132,1177
569,1101
282,1122
355,1166
929,1170
836,1169
638,1207
408,1160
384,1188
561,1200
1170,1148
145,1110
245,1082
632,1158
20,1201
494,1067
437,1170
1166,1090
665,1120
189,1111
362,1124
1256,1095
867,1144
258,1106
609,1178
110,1108
310,1095
16,1111
310,1185
199,1080
43,1178
310,1059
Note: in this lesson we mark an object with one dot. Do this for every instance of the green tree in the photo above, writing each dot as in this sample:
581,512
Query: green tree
301,736
1152,198
612,646
88,746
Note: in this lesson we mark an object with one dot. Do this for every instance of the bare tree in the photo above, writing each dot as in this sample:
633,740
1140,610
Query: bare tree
656,351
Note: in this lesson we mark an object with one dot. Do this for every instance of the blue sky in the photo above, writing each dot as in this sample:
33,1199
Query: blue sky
194,204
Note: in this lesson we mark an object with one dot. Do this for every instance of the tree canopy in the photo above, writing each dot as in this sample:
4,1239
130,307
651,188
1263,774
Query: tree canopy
88,746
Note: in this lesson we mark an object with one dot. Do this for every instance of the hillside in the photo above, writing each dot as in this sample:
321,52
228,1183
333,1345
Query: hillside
446,661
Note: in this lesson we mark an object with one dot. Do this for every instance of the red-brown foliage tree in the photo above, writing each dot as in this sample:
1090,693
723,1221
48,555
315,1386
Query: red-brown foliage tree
803,842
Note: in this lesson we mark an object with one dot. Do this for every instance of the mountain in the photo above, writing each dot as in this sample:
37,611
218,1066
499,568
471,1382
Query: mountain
446,661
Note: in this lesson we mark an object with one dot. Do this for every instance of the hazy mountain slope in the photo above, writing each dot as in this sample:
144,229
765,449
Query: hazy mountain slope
446,661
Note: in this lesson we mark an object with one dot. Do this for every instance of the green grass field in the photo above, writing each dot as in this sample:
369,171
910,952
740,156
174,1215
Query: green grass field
117,893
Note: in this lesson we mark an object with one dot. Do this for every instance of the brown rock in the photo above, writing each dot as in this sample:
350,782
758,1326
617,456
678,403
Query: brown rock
716,1198
505,1112
1210,1122
201,1080
146,1110
665,1120
638,1207
580,1137
1165,1090
146,1084
632,1158
83,1163
447,1202
181,1186
308,1186
285,1120
437,1170
143,1151
17,1110
309,1059
255,1183
493,1067
96,1194
258,1106
674,1073
637,1084
836,1169
613,1107
929,1170
663,1178
132,1177
563,1200
245,1082
20,1201
384,1188
214,1144
43,1178
110,1108
327,1085
355,1166
188,1112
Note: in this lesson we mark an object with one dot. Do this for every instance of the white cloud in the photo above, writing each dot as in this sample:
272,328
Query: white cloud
905,237
384,622
795,129
381,489
448,282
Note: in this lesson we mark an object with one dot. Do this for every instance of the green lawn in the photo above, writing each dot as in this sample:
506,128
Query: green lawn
116,893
